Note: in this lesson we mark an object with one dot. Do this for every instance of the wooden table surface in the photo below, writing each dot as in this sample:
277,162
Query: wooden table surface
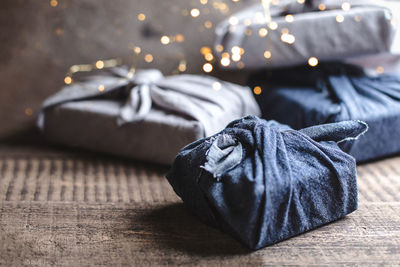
78,209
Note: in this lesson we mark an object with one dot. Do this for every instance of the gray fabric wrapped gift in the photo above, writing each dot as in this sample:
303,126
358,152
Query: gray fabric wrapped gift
366,28
144,115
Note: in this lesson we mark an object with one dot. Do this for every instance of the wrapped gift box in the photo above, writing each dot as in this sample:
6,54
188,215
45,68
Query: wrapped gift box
305,96
263,182
146,116
367,28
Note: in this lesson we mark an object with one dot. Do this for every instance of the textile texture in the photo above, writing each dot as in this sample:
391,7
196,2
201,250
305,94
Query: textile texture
304,96
143,115
367,28
263,182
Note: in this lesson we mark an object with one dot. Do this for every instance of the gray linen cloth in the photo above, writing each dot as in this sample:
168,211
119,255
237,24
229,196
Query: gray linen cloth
144,116
368,28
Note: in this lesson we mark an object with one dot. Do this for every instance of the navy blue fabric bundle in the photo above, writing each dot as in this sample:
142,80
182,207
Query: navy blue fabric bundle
305,96
263,182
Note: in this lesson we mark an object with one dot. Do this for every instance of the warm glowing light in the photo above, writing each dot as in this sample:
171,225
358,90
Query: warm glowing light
205,50
148,58
273,25
257,90
288,38
207,67
236,57
179,38
233,20
99,64
209,57
217,86
267,54
59,31
225,61
182,67
357,18
28,112
262,32
380,70
137,49
346,6
141,17
248,32
275,2
235,50
194,12
219,48
203,2
165,40
322,7
313,61
339,18
289,18
53,3
208,24
67,80
101,88
247,22
240,65
300,1
225,55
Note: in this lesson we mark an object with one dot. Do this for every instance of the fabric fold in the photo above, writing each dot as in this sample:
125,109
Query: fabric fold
143,114
334,92
283,183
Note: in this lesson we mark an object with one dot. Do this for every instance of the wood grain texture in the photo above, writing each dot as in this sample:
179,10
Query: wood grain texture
70,208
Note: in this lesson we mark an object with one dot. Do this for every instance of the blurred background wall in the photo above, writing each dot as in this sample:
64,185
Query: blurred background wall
40,40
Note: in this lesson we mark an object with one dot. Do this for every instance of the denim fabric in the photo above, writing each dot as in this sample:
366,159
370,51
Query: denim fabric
263,182
367,28
306,96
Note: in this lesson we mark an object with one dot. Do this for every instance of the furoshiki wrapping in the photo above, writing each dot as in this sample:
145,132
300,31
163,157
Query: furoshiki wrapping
263,182
145,115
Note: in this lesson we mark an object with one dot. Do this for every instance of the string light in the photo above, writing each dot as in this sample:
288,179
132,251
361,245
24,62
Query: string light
380,70
99,64
262,32
217,86
219,48
257,90
148,58
225,61
59,31
203,2
322,7
194,12
101,88
53,3
240,65
28,112
236,57
179,38
207,67
346,6
267,54
209,57
313,61
182,66
208,24
235,50
357,18
233,20
288,38
165,40
67,80
289,18
300,1
141,17
273,25
339,18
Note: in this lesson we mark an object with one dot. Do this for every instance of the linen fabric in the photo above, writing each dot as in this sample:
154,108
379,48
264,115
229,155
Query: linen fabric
333,92
144,115
368,28
263,182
